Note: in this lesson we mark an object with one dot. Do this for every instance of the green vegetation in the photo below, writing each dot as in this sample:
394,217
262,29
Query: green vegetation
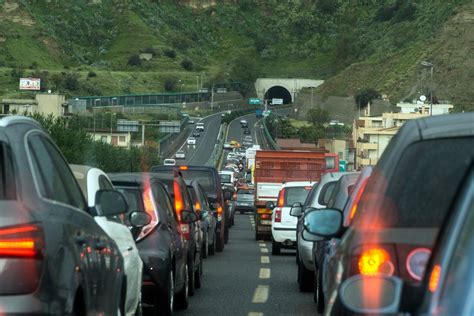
351,44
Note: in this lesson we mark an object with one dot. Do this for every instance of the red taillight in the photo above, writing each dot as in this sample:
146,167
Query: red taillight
150,209
266,216
277,215
25,241
356,201
281,198
178,199
375,261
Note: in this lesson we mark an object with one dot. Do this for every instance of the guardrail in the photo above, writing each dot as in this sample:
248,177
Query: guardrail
269,137
218,148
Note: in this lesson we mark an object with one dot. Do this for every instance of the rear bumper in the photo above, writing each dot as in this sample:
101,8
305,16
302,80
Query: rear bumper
282,233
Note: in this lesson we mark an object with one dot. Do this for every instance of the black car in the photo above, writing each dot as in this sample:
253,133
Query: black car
176,187
53,254
163,250
196,134
398,217
245,201
247,131
209,179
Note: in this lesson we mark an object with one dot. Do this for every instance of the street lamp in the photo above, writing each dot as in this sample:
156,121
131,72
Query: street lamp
197,83
111,115
431,65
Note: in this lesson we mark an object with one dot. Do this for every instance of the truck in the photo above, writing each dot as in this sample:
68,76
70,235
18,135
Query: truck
272,168
259,113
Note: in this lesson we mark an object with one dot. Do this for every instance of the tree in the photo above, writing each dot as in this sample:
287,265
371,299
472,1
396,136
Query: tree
170,84
134,60
318,116
187,64
364,96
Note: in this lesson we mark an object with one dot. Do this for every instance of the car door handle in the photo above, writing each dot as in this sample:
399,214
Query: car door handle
130,248
81,240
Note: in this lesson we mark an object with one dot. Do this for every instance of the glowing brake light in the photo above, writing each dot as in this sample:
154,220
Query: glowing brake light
281,198
197,206
434,278
178,199
278,215
20,242
183,167
375,261
150,209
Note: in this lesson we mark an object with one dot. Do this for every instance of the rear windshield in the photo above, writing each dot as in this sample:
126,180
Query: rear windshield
296,195
407,199
243,192
205,178
134,198
226,178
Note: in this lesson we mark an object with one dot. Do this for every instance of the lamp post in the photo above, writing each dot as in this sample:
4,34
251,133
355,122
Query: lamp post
431,65
197,83
111,116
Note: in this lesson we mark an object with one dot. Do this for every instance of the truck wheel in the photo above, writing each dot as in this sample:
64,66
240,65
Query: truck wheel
257,235
276,248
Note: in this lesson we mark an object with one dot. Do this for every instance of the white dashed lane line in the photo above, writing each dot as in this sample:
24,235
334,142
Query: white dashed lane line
261,294
255,314
264,259
264,273
263,250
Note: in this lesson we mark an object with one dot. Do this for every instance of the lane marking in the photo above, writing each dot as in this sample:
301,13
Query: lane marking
263,250
262,244
255,314
261,294
264,259
206,130
264,273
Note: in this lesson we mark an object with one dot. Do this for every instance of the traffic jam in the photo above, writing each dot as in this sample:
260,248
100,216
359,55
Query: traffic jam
394,238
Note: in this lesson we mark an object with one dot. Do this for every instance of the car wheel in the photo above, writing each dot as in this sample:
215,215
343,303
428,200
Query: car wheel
318,292
276,248
197,276
305,277
192,279
182,298
164,301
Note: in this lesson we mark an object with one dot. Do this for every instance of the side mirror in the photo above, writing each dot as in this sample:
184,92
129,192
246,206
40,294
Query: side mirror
110,202
139,219
324,223
270,205
296,209
356,294
188,217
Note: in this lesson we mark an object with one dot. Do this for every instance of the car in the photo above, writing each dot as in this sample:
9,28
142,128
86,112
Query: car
209,179
248,138
169,162
227,146
244,125
234,144
51,248
191,141
242,121
200,127
191,122
427,155
196,134
208,220
247,143
317,198
228,177
180,154
245,200
161,243
247,132
91,180
283,226
176,187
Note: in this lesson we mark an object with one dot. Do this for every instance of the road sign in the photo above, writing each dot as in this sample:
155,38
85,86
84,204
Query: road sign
255,101
277,101
342,165
127,126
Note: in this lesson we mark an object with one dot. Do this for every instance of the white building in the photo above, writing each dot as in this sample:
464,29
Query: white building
120,139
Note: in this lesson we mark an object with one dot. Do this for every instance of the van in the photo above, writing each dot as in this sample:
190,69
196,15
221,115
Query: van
169,162
200,126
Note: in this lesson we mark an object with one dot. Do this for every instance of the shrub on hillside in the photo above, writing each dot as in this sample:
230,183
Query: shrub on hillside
91,74
170,84
134,60
187,64
170,53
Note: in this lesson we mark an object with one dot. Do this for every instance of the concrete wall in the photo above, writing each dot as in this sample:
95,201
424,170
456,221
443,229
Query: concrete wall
50,104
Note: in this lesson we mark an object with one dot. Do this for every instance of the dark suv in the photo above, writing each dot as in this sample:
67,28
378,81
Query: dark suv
176,187
53,254
404,203
160,244
209,179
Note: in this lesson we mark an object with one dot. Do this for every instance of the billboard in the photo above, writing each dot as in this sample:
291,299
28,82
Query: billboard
30,84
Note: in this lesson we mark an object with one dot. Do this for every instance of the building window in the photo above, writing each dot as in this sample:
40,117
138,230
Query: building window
122,139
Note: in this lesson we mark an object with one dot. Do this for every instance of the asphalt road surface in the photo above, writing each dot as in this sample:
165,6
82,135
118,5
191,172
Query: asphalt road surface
247,280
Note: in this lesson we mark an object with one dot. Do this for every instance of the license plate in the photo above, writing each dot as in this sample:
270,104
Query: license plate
265,222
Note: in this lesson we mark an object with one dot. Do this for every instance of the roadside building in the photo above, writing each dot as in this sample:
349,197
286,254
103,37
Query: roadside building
120,139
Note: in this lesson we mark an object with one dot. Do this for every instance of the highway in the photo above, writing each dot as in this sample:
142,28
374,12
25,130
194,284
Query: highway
246,279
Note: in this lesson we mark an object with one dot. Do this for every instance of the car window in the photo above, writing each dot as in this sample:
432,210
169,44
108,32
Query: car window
7,181
104,183
407,199
326,192
226,178
205,178
133,197
295,195
164,203
458,288
55,179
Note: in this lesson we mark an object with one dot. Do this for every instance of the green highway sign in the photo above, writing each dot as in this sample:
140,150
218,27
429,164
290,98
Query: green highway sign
254,101
342,165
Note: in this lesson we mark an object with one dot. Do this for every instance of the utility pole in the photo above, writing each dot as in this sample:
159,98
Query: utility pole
431,65
143,135
212,97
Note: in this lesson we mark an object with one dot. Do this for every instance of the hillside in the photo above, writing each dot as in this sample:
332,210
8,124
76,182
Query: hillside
350,44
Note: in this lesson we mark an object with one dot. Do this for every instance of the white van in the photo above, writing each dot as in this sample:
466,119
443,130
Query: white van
169,162
200,126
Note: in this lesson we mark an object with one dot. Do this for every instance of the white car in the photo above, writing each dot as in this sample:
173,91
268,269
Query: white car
200,126
243,122
180,154
191,141
92,180
228,146
169,162
283,224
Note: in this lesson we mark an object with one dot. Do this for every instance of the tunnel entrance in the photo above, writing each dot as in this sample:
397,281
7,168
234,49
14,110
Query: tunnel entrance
278,92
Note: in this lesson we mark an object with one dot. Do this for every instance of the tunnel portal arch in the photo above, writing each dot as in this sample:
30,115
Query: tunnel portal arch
279,92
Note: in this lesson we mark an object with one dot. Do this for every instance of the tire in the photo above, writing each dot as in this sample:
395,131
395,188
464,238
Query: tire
182,298
212,247
257,235
318,292
306,278
197,276
297,256
226,235
276,248
164,300
205,247
219,244
191,277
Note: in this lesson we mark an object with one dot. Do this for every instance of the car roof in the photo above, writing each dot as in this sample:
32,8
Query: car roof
134,177
298,184
17,119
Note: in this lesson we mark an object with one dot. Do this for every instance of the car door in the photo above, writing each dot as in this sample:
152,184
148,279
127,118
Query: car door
82,239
